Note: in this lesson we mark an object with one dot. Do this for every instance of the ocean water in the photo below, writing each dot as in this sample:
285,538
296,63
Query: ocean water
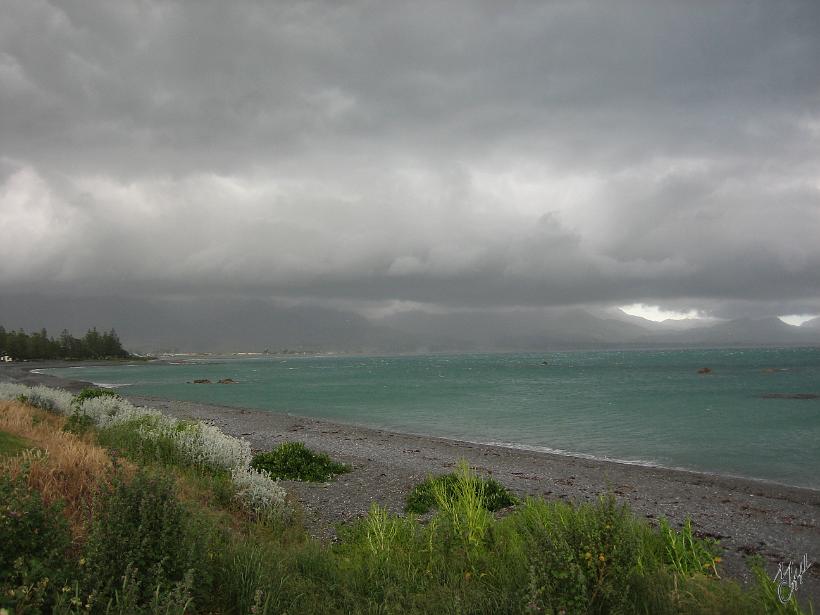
649,407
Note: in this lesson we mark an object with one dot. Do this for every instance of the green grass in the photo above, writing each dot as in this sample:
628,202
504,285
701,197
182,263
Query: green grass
422,498
129,440
11,445
295,461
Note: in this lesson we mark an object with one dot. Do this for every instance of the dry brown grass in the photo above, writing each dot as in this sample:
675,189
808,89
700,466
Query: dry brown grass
62,466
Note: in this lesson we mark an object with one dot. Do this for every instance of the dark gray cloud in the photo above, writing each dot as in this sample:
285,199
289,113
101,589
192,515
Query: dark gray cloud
446,154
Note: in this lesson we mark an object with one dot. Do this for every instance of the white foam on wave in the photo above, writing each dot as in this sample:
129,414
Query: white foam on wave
557,451
112,385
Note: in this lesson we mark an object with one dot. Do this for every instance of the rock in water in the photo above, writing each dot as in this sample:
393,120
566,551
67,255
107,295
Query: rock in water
790,396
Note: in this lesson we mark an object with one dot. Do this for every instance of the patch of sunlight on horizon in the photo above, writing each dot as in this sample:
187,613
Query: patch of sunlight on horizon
654,312
797,319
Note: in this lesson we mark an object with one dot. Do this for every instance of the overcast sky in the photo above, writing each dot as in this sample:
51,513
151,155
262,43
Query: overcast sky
380,155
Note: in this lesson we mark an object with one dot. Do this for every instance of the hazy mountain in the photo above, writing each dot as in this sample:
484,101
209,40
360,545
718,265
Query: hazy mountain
581,329
744,331
685,324
255,325
814,323
513,330
670,324
621,316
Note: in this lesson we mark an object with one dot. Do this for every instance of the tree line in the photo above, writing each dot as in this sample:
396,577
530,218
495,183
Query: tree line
20,345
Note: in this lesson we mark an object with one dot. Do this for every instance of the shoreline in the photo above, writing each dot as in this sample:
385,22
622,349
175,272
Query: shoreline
34,375
748,516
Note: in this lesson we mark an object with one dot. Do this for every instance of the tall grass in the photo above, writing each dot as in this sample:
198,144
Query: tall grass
423,496
687,554
463,505
62,467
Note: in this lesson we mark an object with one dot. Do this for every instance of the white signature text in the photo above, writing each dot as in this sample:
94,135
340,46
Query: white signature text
790,578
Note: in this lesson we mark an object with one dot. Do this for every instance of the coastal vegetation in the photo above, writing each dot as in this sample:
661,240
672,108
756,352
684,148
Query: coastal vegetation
143,513
10,445
37,345
295,461
492,494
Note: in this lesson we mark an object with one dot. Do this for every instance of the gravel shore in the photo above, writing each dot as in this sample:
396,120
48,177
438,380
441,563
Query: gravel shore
748,517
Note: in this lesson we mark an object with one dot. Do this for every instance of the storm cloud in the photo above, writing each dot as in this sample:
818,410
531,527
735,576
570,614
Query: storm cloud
450,155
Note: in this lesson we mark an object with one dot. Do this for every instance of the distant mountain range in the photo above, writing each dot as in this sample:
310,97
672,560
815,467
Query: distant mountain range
581,329
257,325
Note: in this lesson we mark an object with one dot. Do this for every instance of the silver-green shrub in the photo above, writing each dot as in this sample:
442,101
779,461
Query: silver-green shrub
199,444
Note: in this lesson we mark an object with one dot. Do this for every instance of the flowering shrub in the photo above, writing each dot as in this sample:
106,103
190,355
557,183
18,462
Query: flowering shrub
207,446
53,400
257,490
109,411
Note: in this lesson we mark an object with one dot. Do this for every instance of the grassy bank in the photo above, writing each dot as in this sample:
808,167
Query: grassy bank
109,508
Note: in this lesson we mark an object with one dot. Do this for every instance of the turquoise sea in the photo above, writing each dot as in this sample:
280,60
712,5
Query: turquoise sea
649,407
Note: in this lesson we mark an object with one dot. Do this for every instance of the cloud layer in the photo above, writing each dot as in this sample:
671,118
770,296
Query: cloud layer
454,155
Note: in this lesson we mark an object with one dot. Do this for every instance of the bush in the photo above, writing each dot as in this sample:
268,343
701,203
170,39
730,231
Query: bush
52,400
92,393
582,559
422,498
143,544
34,541
295,461
78,424
38,401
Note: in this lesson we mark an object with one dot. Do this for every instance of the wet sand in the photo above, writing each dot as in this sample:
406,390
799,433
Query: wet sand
780,523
